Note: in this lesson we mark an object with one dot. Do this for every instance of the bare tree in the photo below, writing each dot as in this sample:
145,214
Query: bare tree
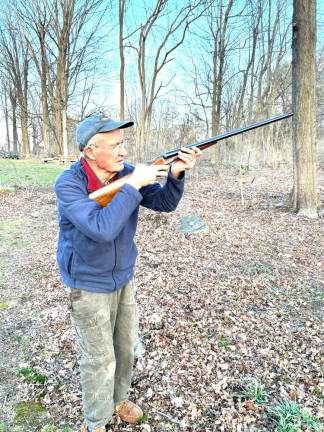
304,196
211,73
74,47
255,16
219,38
162,42
13,103
5,99
60,35
16,61
35,19
122,60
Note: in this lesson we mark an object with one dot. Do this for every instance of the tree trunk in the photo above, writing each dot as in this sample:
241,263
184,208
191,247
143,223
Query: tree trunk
59,106
13,101
45,124
64,135
44,99
304,196
219,55
122,60
6,113
24,128
56,147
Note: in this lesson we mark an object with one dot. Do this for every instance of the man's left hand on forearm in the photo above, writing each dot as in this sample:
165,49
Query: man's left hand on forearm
186,160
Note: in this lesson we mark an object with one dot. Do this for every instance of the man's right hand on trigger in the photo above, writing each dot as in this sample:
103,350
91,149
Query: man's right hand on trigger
144,175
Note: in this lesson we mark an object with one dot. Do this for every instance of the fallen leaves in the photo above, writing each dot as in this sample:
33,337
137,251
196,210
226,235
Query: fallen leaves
243,301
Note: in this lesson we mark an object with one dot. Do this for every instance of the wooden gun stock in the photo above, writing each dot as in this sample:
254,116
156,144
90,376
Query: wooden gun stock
104,195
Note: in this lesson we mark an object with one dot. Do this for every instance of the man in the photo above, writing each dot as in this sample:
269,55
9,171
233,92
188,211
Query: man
96,257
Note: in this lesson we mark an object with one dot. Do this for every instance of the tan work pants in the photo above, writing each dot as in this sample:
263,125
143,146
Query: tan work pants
106,332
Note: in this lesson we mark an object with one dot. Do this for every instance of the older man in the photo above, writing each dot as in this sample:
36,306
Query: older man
96,257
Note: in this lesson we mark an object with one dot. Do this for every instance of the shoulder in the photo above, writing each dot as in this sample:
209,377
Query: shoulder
74,175
128,168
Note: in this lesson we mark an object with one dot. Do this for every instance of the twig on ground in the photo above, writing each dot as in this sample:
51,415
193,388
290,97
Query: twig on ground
5,401
167,416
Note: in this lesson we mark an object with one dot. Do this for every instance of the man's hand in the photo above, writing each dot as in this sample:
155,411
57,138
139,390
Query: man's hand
144,175
186,160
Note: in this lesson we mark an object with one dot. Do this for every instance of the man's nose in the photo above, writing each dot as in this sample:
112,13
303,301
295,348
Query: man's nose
122,150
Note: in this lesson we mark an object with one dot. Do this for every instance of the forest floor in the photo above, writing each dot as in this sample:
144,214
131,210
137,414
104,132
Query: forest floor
231,318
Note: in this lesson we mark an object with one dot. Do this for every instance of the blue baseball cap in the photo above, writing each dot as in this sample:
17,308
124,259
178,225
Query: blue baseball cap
97,123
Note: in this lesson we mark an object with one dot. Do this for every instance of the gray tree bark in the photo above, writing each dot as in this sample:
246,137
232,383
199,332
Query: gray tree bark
304,197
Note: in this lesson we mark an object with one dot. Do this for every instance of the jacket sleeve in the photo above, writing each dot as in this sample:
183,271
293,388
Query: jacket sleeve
163,198
101,224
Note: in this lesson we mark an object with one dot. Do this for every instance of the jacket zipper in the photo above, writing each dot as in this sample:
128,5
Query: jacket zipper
112,273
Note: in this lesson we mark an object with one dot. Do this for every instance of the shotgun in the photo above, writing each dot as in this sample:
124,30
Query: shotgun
104,195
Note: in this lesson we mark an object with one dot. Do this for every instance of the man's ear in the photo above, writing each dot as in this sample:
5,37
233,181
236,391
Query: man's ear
88,153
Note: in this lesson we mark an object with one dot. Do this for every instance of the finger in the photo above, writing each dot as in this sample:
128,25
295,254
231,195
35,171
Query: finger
190,153
162,169
197,151
185,157
187,150
161,174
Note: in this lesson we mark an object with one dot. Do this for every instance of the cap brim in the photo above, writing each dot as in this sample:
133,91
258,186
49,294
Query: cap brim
112,125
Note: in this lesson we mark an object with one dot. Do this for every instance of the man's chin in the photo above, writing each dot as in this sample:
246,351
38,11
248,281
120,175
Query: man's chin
119,166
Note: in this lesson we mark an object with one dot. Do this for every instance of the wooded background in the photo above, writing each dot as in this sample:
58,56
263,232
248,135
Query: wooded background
232,329
181,70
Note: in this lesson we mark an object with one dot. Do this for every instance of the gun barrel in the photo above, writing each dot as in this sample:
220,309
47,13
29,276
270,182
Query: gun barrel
213,140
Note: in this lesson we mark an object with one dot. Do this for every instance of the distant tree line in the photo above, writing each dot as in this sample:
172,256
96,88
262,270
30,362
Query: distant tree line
185,70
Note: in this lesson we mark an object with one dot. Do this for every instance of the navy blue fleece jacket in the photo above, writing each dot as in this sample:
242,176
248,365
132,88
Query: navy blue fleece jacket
96,248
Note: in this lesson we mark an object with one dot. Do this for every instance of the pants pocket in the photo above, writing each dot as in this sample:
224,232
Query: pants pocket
93,332
127,294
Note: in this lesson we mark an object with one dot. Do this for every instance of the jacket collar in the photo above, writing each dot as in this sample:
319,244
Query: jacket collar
93,182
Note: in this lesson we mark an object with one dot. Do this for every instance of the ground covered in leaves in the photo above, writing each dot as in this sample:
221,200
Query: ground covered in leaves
230,318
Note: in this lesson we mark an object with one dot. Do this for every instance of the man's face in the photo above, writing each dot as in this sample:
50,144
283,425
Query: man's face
107,150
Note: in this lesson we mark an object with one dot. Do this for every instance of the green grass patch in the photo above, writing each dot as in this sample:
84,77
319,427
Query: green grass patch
290,417
49,428
223,342
4,427
24,341
31,375
31,415
12,233
318,393
260,248
10,229
27,173
255,391
143,419
3,306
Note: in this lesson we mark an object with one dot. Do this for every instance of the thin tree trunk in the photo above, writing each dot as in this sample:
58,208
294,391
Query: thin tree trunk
13,101
59,107
122,60
24,129
64,135
7,122
44,98
219,64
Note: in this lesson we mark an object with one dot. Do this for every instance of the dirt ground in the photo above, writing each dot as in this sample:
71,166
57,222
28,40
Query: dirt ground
241,303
